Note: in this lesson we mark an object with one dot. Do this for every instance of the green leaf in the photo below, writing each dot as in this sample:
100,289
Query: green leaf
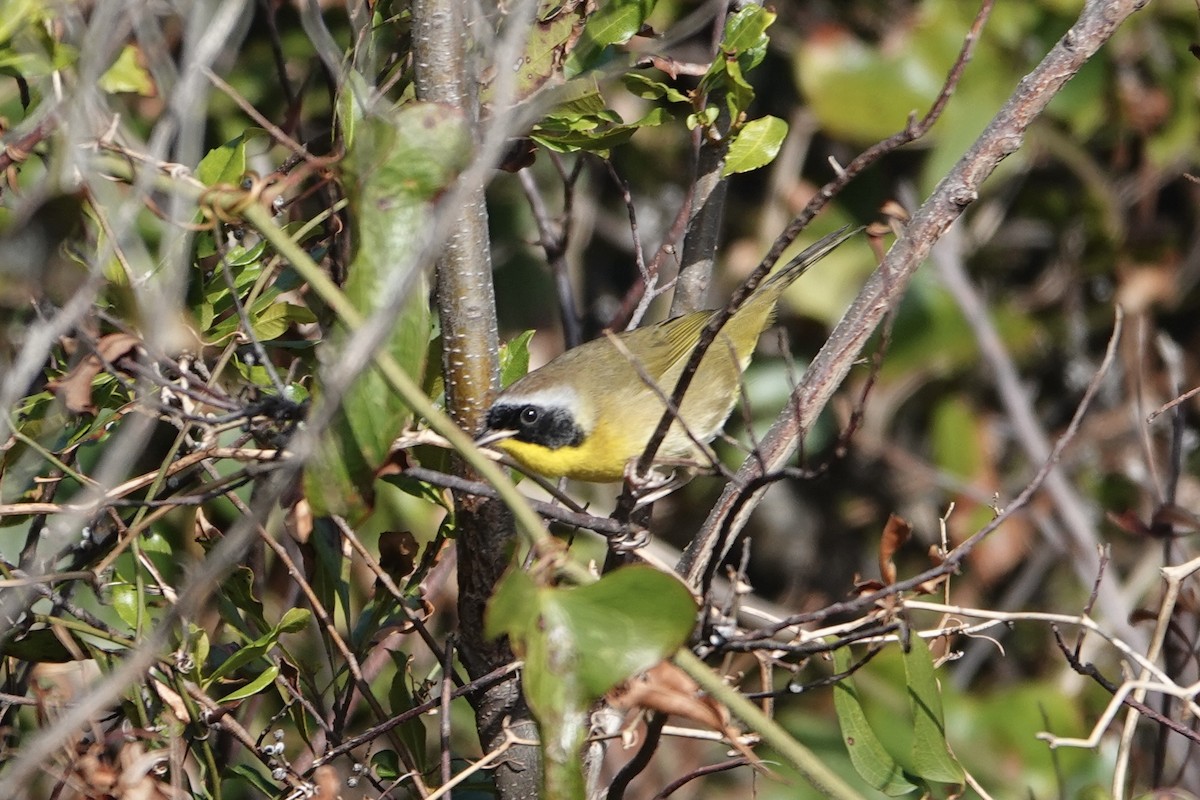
400,699
240,658
624,623
277,318
350,106
703,118
743,47
127,75
239,605
27,47
330,577
556,28
262,783
572,141
627,622
582,120
14,14
200,648
398,167
647,88
126,601
578,96
420,490
931,757
204,317
746,32
614,22
255,686
294,620
617,21
224,164
872,762
580,642
386,765
514,359
595,133
838,73
755,145
511,611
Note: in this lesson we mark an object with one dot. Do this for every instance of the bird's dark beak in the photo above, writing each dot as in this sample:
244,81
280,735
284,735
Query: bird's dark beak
491,437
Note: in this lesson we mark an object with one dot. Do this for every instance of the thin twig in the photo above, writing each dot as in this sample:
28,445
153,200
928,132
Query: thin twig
641,759
955,557
711,769
1174,577
482,683
1092,672
555,240
1083,539
602,525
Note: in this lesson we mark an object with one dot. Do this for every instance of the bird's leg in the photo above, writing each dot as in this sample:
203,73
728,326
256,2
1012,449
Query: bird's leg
654,485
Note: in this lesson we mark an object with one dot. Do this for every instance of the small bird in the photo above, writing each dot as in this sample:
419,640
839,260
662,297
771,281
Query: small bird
590,412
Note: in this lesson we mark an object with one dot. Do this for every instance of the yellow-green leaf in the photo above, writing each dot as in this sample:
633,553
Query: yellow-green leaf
755,145
127,75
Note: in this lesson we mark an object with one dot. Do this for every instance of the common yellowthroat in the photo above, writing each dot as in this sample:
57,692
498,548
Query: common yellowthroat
589,413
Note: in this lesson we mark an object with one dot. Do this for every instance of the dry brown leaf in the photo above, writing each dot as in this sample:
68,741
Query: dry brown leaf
665,64
301,526
327,781
1129,522
75,388
173,701
668,689
1142,287
930,586
399,627
138,781
521,153
205,531
398,553
121,769
895,533
1174,520
98,778
866,585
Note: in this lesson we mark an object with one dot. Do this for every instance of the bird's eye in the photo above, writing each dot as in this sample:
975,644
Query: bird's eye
530,415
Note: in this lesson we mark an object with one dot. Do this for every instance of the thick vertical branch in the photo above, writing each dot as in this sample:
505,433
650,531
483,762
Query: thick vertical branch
699,254
466,301
708,205
470,343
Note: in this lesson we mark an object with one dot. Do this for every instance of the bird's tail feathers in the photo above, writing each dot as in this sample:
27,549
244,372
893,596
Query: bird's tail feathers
799,264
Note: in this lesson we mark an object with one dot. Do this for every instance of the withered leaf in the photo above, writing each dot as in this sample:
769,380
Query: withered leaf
1129,522
866,585
895,533
398,552
75,388
668,689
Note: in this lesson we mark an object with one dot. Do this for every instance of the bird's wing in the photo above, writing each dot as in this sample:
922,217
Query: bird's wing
662,346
